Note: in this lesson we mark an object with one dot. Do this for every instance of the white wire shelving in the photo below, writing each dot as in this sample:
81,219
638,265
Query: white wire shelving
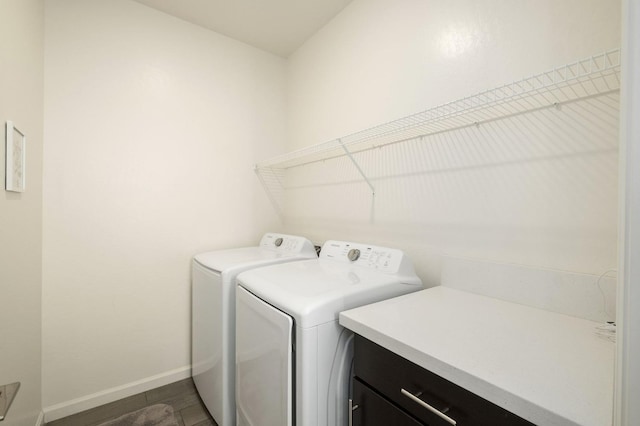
589,77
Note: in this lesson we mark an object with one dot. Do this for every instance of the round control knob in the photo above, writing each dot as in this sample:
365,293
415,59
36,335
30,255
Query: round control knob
353,254
278,242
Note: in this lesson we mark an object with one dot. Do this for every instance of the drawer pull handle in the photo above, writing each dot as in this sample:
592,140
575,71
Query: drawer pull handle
352,408
428,407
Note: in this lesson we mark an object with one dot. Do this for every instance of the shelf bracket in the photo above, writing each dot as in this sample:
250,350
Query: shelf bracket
357,166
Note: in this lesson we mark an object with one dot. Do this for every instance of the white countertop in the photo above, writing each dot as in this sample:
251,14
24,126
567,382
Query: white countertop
548,368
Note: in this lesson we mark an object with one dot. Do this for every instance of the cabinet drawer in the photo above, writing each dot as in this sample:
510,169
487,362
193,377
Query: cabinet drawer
374,410
389,374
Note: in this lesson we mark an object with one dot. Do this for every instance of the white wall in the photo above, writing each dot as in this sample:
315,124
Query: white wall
21,94
537,190
152,127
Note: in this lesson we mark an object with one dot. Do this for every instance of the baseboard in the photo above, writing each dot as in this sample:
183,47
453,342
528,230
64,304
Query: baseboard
40,420
78,405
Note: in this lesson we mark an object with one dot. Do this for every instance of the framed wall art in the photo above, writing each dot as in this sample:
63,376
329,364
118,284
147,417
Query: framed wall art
15,151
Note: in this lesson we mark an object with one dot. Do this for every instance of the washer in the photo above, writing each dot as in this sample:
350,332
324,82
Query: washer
213,314
293,359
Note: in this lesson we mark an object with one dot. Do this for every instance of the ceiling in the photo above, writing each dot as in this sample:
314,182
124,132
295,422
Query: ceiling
277,26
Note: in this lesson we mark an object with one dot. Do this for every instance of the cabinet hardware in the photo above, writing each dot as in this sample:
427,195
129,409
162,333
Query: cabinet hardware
428,407
352,408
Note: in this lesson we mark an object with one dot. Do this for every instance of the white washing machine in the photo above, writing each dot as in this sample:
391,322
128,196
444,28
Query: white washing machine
293,359
213,277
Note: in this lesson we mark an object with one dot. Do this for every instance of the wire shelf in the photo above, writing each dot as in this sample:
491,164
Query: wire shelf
589,77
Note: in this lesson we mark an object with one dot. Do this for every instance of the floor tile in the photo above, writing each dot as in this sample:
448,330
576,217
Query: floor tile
182,396
182,387
178,418
208,422
180,402
194,414
104,412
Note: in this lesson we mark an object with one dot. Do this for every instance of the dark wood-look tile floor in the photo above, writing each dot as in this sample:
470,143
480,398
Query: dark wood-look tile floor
182,396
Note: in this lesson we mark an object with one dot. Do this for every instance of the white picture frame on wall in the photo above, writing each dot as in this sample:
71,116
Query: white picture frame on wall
15,159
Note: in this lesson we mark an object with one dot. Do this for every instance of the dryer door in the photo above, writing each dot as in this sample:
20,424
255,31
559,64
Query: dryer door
263,363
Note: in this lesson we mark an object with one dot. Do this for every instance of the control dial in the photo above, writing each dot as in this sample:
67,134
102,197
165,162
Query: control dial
278,242
353,254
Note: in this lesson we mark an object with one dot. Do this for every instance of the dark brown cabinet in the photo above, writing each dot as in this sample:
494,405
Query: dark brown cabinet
374,409
390,390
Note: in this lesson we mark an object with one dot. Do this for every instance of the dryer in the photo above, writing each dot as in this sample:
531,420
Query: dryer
213,314
293,359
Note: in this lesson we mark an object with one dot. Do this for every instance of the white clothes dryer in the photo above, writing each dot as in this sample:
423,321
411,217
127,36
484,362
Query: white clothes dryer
213,301
293,359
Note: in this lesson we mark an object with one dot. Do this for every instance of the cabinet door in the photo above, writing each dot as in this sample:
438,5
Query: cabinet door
374,410
412,388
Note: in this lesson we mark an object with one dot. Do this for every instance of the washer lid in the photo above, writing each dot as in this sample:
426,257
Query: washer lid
314,292
223,260
273,247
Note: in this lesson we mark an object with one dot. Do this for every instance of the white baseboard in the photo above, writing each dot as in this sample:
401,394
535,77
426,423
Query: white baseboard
40,420
87,402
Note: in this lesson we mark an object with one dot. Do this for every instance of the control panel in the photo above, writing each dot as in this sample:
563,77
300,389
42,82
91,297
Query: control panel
383,259
286,243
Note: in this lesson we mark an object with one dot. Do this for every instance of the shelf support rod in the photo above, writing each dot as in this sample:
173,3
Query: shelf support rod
357,166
